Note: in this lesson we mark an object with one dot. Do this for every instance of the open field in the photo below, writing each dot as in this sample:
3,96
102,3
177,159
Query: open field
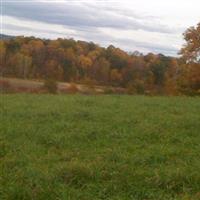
74,147
25,85
34,85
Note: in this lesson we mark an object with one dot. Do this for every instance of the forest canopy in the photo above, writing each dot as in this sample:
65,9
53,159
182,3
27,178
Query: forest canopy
85,62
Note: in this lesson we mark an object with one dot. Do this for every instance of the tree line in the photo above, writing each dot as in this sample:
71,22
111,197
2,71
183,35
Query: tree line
88,63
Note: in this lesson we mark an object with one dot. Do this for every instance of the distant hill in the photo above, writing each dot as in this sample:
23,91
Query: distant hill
5,37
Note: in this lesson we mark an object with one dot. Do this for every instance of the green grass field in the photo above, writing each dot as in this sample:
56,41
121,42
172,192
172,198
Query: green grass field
56,147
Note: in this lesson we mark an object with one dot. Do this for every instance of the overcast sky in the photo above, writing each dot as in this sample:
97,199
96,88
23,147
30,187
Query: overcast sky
143,25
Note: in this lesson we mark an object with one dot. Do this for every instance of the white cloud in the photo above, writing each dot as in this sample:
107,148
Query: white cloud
130,24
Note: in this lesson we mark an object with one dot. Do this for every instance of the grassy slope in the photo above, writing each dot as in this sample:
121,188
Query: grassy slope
105,147
37,84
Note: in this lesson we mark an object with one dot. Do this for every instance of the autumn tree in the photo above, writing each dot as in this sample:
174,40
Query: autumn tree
171,77
101,71
116,77
53,70
191,50
2,57
79,61
70,71
85,64
22,64
190,79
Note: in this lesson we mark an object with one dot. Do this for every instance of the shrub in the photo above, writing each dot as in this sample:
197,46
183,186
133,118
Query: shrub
5,86
89,82
131,89
51,86
119,90
108,90
72,88
136,87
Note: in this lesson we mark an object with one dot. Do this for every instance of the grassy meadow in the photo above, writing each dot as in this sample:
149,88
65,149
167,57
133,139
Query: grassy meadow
75,147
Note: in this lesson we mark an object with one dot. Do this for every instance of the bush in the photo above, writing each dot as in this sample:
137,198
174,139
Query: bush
119,90
5,87
72,88
51,86
108,90
130,89
89,82
135,87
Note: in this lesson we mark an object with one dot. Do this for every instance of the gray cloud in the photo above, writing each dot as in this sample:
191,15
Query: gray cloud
34,30
84,15
129,45
151,47
87,19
